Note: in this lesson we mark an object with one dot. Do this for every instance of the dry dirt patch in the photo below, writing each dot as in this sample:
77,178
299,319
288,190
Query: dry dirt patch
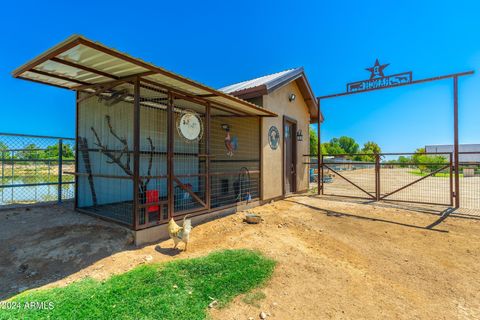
40,245
336,260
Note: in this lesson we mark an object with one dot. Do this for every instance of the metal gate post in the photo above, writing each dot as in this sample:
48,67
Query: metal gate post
320,174
451,178
319,152
60,165
377,177
455,145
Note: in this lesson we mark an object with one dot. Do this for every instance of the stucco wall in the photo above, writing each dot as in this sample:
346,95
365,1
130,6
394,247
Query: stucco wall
272,166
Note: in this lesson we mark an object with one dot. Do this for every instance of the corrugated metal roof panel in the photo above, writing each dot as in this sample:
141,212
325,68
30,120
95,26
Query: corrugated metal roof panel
101,61
78,64
47,80
267,81
68,71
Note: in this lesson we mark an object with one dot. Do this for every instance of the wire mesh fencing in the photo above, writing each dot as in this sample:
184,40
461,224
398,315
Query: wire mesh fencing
353,176
407,177
32,169
417,178
106,160
235,162
469,186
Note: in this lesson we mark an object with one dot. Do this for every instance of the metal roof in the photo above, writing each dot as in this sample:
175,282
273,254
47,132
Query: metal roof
266,84
268,80
81,64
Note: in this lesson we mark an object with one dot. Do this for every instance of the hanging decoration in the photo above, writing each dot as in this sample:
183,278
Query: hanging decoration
273,137
231,142
190,126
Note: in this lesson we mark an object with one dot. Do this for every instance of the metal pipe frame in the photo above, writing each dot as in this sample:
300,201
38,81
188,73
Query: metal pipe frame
319,153
136,152
455,142
454,76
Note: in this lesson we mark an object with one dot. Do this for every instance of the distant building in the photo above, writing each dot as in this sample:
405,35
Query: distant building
464,158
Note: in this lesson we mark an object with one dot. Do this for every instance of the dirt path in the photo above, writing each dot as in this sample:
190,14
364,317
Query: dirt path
337,260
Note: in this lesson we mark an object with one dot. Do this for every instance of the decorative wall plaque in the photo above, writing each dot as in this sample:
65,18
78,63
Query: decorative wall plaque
273,137
190,125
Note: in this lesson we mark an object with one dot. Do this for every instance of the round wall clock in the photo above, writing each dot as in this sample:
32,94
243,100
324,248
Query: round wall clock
273,137
189,125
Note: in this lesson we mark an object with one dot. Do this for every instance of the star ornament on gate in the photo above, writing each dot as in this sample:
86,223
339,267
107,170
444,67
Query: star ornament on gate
377,70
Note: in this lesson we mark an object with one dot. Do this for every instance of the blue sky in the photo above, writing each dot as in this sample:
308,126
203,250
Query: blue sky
218,43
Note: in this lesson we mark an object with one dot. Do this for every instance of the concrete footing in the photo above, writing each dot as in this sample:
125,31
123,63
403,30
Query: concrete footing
160,232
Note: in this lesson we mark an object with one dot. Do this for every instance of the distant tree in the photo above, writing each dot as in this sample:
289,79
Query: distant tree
29,152
418,153
313,142
68,152
369,150
4,154
51,152
428,163
324,149
371,146
333,147
3,146
348,144
403,161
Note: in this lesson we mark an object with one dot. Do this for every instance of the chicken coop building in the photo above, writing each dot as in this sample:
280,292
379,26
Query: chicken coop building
151,145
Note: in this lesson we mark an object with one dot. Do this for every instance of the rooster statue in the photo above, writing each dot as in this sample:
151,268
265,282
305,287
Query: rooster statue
180,234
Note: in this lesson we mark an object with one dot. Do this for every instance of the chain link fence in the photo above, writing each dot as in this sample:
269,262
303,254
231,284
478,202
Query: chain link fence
32,169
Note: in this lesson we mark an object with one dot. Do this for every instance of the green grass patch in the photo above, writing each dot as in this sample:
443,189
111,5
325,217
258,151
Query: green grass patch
179,289
437,175
253,298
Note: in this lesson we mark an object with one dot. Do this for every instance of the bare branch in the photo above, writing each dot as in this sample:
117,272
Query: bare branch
113,158
150,161
122,140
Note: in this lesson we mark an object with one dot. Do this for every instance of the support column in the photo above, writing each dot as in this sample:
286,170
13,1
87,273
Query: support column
260,150
170,190
319,153
77,155
207,158
455,143
60,168
377,177
136,151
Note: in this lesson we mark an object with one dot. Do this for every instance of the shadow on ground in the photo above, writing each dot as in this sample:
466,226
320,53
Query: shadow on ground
40,245
443,215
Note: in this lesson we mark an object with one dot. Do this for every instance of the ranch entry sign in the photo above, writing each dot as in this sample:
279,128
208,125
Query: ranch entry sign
379,80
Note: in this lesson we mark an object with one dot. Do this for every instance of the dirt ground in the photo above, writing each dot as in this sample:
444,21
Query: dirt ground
336,259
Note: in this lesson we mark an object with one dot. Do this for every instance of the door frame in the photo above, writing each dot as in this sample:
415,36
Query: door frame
287,119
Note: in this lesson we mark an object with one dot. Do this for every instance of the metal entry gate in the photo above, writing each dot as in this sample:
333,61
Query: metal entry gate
407,177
